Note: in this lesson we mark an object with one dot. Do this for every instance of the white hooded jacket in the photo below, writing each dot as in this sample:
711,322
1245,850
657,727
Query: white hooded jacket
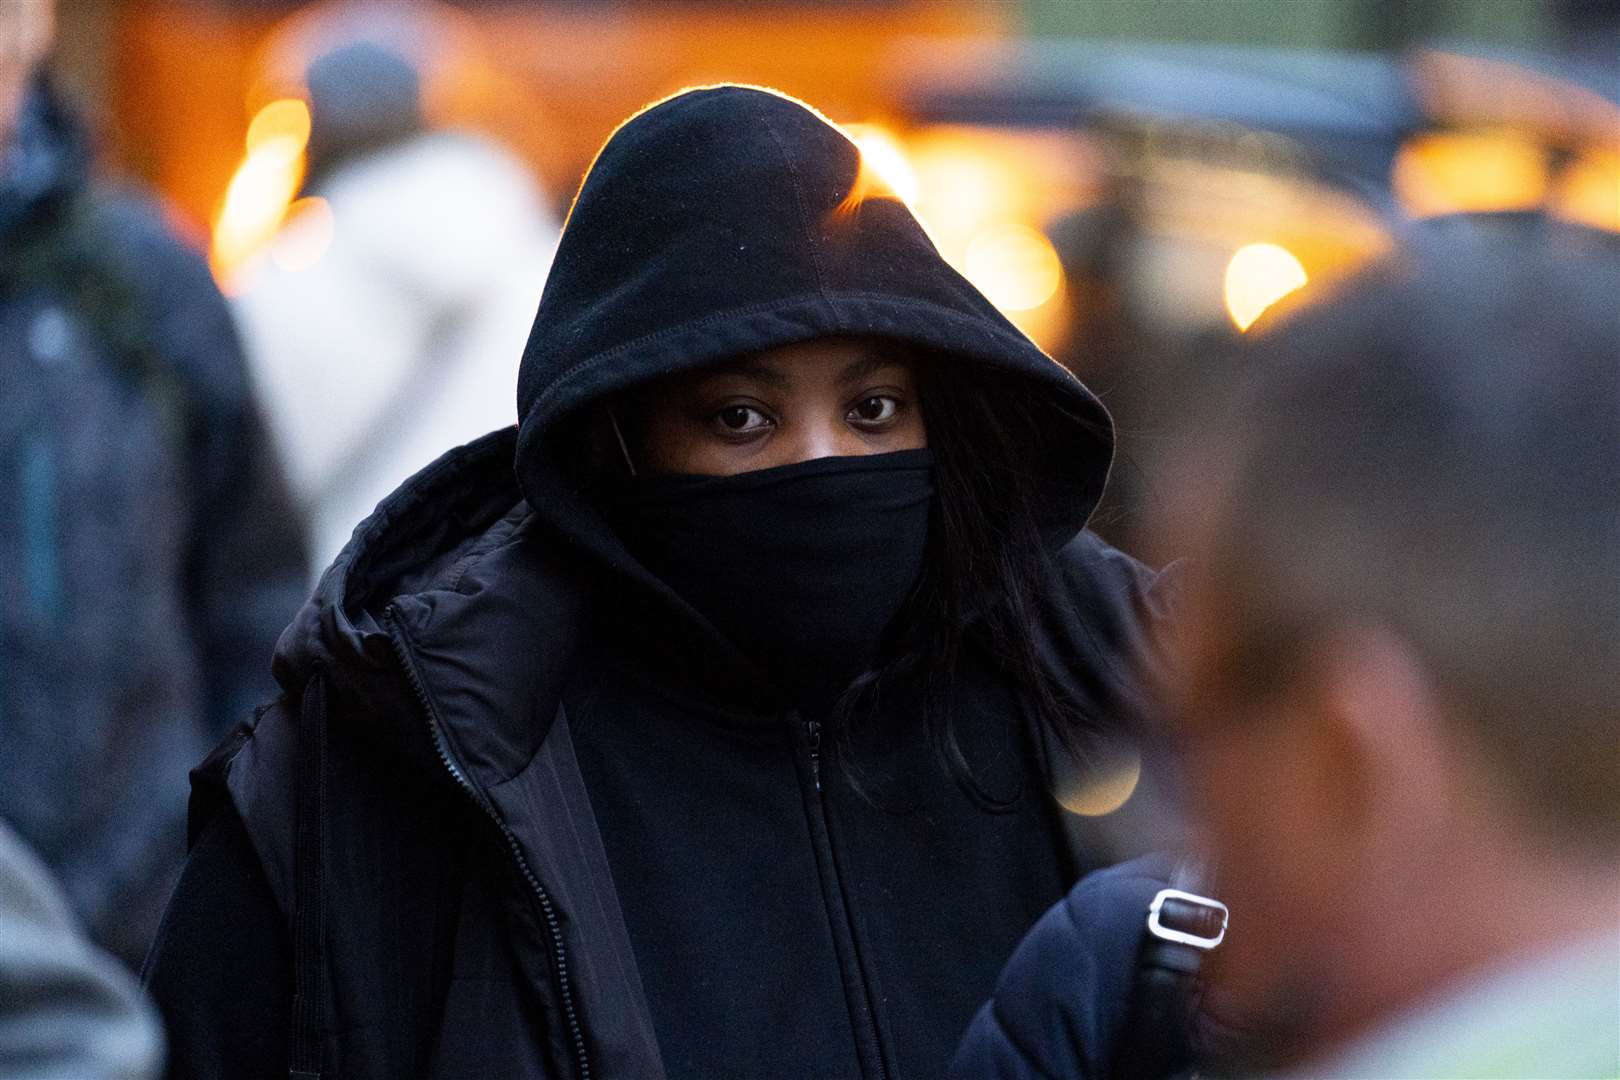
403,338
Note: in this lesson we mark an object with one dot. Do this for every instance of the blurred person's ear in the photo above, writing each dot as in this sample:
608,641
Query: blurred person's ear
27,28
1327,803
1390,774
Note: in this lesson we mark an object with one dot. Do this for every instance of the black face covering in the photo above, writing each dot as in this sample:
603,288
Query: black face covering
802,567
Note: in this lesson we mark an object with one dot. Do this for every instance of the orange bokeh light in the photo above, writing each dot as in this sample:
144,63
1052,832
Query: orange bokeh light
1470,172
263,187
1258,276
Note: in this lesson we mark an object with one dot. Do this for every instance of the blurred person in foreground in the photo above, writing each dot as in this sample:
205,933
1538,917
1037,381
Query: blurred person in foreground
1397,694
67,1009
704,725
151,549
1401,704
397,341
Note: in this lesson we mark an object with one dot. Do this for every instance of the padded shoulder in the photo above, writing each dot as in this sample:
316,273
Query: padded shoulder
1061,1002
1098,633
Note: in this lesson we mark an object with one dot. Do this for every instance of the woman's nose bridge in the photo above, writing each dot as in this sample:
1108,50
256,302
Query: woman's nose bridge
826,438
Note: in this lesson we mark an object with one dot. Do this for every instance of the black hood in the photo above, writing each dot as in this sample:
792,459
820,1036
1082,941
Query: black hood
714,224
722,221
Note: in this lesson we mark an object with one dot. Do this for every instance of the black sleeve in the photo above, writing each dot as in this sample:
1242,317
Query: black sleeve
220,970
1102,633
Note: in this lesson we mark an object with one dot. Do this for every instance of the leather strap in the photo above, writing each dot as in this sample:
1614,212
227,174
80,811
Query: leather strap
1156,1040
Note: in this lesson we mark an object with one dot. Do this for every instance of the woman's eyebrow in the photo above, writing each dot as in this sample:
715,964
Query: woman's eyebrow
748,369
856,370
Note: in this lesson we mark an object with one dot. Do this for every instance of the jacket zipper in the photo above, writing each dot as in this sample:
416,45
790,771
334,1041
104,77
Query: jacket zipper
871,1060
812,738
547,908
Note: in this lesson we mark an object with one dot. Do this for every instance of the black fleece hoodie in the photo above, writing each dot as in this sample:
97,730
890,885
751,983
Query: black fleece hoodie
488,830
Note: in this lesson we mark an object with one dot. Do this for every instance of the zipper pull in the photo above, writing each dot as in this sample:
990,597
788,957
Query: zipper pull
812,734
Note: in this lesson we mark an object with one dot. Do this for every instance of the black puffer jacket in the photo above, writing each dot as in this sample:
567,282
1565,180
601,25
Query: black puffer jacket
521,811
151,549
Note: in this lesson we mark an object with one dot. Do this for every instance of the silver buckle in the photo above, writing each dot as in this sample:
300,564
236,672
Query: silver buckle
1181,937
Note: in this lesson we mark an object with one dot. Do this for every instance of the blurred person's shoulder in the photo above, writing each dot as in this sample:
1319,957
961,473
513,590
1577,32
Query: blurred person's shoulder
66,1007
161,258
136,224
1550,1015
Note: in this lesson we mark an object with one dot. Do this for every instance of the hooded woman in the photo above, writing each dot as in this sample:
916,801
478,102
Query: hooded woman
701,726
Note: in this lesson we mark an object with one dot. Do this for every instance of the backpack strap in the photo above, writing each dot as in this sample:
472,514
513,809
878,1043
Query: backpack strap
1156,1041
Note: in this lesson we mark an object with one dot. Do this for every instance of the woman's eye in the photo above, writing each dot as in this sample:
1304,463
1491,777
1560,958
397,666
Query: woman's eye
741,419
874,410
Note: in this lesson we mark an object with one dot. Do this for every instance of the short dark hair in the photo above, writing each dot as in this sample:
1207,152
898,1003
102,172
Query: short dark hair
1436,450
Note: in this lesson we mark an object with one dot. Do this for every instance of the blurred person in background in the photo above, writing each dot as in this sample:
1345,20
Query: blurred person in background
152,550
67,1009
1396,685
397,341
703,726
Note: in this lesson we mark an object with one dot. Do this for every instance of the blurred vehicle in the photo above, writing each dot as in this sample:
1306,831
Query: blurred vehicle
1137,208
1181,190
1203,184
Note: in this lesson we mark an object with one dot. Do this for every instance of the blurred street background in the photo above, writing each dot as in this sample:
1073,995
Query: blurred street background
357,202
379,185
1132,183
